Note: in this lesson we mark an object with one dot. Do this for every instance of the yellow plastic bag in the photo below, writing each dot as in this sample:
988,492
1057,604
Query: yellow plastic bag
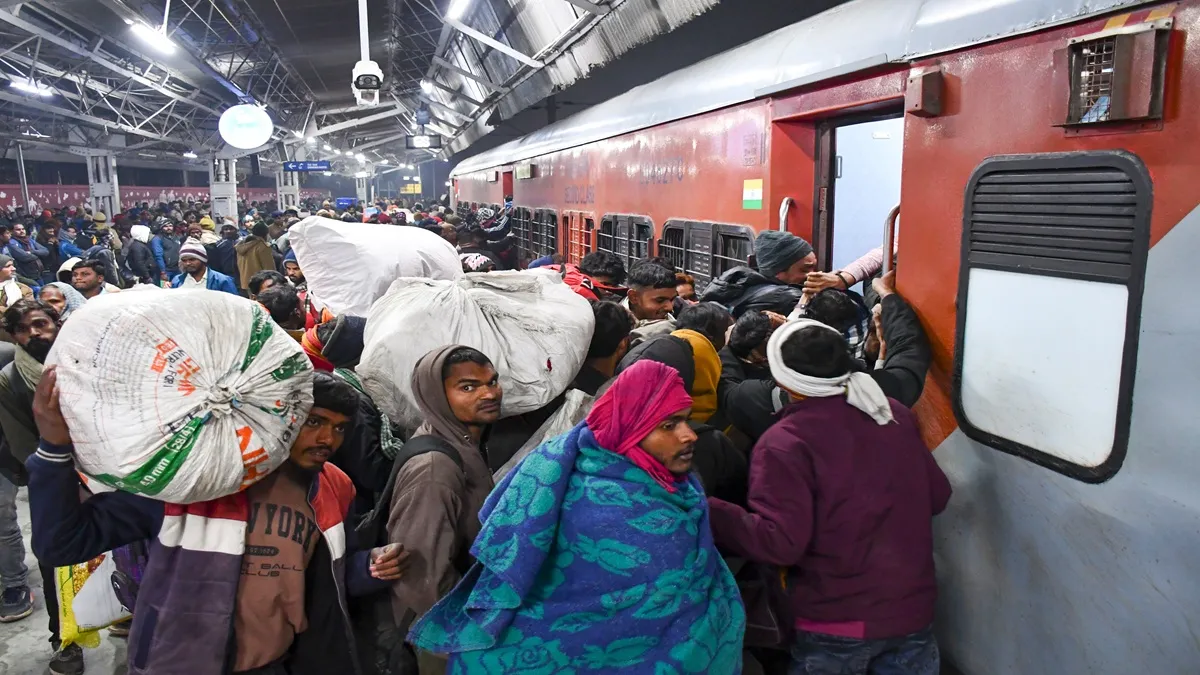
97,594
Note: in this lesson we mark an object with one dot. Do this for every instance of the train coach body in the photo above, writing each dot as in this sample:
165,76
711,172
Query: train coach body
1045,253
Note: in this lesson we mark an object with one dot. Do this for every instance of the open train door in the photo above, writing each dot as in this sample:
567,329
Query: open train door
506,183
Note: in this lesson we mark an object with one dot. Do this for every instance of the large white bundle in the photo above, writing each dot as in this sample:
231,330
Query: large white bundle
533,327
182,396
349,266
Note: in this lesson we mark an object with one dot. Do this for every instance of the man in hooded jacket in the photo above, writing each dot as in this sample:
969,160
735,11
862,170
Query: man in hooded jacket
784,262
435,506
140,258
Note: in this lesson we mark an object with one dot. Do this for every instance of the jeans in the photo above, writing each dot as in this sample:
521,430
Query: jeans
818,654
13,573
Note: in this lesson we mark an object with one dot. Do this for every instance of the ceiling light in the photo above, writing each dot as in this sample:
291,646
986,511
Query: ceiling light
337,152
328,173
298,134
457,9
153,38
326,147
360,157
190,155
31,86
310,140
147,154
362,174
427,86
382,161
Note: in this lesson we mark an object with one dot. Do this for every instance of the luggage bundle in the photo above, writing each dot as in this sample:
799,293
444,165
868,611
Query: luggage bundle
349,266
533,327
182,396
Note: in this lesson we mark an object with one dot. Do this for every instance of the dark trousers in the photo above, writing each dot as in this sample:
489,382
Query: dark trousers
277,668
818,654
51,597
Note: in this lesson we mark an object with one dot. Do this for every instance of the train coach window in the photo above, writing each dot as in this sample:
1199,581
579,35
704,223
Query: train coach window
735,243
628,237
522,227
1050,290
579,236
544,233
705,250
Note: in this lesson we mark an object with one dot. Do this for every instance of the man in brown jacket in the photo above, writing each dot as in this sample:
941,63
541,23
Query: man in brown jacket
435,506
254,255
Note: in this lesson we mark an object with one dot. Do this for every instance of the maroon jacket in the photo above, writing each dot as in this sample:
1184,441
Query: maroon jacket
847,504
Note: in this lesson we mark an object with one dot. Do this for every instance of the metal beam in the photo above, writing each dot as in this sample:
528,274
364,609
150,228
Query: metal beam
482,81
382,141
339,110
456,93
350,124
13,20
589,7
493,43
96,121
443,106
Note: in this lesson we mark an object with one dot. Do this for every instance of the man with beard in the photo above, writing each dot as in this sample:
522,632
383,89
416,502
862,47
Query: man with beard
87,276
34,325
291,268
193,260
260,589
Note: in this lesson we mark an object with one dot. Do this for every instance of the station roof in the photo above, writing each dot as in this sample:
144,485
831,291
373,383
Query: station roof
80,77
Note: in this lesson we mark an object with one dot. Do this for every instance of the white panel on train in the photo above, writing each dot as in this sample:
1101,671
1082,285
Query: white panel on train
1042,361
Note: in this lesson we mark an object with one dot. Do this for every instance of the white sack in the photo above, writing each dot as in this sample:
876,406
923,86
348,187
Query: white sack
182,395
575,408
349,266
533,327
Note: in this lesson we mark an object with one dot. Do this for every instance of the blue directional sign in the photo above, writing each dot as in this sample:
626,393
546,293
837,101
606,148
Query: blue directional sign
345,202
318,165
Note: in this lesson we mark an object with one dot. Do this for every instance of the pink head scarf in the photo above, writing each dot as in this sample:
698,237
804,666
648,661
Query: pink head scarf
636,402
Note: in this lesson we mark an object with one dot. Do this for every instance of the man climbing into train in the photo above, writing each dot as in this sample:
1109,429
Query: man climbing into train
650,297
784,262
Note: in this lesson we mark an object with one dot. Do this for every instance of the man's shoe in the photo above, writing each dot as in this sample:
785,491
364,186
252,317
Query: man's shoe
120,630
15,604
68,661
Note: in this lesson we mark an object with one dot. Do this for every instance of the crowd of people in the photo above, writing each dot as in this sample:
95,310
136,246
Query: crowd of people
745,488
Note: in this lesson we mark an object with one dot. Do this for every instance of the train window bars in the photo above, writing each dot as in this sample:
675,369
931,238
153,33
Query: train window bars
522,231
1118,74
544,233
705,250
628,237
1050,283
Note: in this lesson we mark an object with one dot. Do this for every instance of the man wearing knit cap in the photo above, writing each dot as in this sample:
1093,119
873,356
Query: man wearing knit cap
784,261
193,260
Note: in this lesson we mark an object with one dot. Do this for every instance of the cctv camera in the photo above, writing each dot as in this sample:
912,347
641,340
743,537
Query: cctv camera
368,80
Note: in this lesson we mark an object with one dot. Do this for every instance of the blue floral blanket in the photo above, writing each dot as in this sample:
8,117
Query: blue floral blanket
586,565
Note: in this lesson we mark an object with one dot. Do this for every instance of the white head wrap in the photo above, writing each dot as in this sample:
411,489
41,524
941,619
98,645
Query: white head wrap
860,389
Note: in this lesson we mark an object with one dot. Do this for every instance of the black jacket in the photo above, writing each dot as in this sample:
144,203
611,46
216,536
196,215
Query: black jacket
752,404
140,260
222,257
742,289
722,468
668,350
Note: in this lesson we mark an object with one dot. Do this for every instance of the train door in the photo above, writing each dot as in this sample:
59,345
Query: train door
507,184
858,187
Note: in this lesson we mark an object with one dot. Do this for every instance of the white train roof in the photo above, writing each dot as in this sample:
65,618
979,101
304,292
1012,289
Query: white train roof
848,38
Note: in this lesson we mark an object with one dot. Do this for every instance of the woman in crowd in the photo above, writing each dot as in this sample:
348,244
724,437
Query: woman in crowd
843,491
596,553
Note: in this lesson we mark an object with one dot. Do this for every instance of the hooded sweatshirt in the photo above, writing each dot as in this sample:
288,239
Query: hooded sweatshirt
435,506
708,374
253,256
140,258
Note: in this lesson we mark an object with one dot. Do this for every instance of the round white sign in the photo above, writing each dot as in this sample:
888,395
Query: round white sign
245,126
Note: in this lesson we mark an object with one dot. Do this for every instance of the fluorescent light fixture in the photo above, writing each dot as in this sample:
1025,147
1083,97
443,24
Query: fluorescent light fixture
147,154
152,37
328,173
457,9
362,174
31,86
298,134
190,155
337,152
326,147
427,86
382,161
310,140
360,157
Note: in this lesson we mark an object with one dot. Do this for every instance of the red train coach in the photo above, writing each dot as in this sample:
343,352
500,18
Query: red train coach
1044,156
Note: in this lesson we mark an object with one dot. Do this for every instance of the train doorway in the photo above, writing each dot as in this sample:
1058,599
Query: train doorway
858,185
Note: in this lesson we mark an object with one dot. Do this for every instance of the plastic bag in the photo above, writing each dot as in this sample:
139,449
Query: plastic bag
181,395
99,593
348,266
532,326
574,409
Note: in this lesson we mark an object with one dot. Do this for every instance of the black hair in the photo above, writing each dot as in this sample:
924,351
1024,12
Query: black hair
833,308
660,261
96,265
332,393
260,229
749,333
281,300
613,324
21,308
707,318
5,228
464,355
475,235
603,264
647,274
817,352
257,280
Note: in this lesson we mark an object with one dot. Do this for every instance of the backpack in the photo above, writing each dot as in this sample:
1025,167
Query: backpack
371,529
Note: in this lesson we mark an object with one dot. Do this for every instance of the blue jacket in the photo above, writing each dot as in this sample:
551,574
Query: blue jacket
215,282
186,602
29,260
68,249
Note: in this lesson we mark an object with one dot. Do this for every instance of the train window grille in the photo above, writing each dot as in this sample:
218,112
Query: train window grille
579,236
735,243
627,237
1096,71
671,244
521,230
544,233
1058,240
705,250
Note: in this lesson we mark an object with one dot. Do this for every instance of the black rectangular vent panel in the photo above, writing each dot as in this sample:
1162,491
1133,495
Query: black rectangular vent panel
1069,220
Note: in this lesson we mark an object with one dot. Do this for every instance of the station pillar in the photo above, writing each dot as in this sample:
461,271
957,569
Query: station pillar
361,185
104,193
222,187
287,184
